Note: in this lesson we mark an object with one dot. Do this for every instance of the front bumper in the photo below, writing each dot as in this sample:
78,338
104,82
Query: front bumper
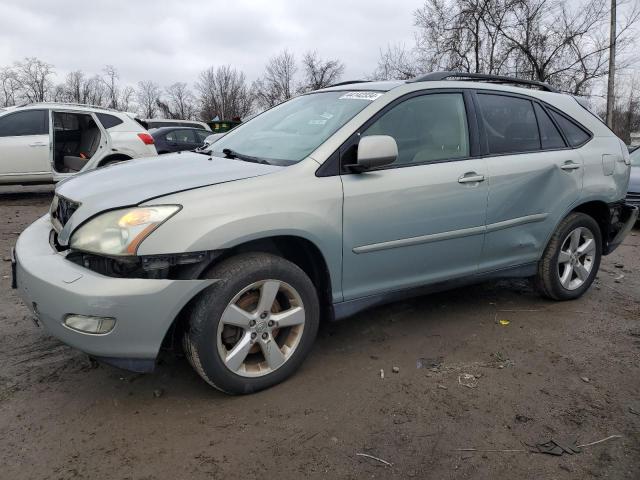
53,287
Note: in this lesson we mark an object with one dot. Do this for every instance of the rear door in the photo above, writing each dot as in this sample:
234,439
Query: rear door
421,219
25,147
535,177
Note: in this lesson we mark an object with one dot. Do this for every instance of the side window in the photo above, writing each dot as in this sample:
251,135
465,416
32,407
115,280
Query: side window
28,122
185,136
108,121
202,135
170,137
426,128
509,123
66,121
549,133
575,134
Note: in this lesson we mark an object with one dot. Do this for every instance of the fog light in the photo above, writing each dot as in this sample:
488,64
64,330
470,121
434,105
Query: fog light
87,324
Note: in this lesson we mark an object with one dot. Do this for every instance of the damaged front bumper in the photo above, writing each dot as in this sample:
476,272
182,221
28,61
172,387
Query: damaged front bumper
54,288
622,219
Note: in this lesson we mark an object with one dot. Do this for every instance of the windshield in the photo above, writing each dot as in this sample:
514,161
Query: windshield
635,157
289,132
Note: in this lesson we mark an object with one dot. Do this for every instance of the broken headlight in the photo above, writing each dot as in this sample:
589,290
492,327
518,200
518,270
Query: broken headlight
120,232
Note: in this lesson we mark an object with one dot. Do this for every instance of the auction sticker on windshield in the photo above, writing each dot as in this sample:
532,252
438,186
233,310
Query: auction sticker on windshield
371,96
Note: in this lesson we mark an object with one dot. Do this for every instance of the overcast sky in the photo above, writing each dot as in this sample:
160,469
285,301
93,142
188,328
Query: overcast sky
168,41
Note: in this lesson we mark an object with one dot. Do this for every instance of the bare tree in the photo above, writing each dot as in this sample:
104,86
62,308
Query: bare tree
397,62
10,86
110,80
278,82
557,41
180,102
319,73
462,35
223,93
126,99
35,79
148,94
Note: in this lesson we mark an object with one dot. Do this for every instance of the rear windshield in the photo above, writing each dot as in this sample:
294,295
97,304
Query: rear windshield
289,132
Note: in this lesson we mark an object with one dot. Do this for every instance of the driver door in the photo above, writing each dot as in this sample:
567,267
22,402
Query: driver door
421,219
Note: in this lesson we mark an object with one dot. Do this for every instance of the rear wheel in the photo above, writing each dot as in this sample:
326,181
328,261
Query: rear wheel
572,258
254,327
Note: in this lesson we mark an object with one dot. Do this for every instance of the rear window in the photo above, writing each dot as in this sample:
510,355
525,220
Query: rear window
108,121
510,124
574,134
28,122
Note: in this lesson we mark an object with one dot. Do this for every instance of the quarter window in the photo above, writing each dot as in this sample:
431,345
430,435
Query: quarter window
575,134
509,123
426,128
549,133
28,122
107,120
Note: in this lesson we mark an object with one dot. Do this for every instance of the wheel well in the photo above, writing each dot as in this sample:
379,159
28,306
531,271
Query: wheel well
300,251
297,250
599,211
111,158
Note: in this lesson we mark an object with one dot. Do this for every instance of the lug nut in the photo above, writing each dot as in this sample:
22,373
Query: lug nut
265,335
263,315
271,323
252,323
253,335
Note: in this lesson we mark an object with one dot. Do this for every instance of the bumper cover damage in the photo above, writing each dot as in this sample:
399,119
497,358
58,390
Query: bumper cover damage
55,287
622,219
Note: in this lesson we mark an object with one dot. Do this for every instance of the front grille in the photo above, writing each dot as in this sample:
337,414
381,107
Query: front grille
633,198
62,209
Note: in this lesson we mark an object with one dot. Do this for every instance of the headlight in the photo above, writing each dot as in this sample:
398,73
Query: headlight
120,232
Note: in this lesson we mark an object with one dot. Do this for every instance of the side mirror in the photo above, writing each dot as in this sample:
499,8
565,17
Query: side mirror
375,151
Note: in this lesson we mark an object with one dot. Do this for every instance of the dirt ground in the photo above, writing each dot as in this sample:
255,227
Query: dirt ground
557,370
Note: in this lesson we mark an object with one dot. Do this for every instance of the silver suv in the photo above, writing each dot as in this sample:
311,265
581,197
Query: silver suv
325,205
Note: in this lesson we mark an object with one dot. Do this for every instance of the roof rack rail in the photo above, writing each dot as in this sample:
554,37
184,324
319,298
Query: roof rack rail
72,104
482,77
348,82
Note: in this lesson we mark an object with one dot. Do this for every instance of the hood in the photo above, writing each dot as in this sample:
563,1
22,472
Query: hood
135,181
634,180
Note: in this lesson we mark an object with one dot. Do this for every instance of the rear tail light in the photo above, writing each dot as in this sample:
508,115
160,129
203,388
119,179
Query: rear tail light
146,138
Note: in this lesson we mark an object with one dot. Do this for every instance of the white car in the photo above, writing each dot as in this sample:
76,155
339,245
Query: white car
48,142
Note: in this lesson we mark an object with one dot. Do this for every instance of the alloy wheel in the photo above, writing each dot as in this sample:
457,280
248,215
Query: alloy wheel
261,328
576,258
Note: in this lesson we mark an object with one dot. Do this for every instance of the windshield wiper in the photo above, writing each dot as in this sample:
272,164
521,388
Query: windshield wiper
233,154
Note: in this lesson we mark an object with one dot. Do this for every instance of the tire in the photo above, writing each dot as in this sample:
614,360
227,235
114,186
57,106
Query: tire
560,276
245,281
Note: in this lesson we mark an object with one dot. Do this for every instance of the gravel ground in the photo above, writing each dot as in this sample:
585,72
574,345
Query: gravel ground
556,370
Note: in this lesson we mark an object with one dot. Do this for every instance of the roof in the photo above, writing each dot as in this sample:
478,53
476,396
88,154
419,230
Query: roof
71,106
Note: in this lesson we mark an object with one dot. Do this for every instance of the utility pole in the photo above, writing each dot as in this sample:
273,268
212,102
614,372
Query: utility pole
611,99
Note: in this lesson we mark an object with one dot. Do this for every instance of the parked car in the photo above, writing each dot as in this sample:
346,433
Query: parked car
328,204
178,139
162,122
214,137
47,142
633,194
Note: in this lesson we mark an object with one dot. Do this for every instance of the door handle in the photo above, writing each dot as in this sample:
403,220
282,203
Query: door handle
38,144
570,166
471,177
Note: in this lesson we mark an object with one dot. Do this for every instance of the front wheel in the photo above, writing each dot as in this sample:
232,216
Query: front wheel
254,326
572,258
